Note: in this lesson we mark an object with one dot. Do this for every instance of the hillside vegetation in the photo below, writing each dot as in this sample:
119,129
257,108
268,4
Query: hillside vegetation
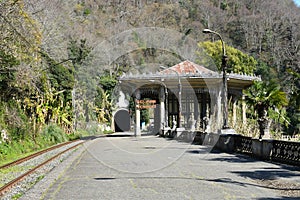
46,44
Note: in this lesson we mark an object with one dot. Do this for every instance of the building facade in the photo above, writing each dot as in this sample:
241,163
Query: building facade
185,96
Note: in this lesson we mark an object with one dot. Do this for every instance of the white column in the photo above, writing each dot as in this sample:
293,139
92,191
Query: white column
162,114
244,117
162,108
137,131
234,112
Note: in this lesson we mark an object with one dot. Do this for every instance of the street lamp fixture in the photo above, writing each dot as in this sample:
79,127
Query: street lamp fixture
179,95
224,69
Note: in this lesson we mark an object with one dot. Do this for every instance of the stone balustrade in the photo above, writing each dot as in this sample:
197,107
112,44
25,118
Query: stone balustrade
270,150
285,151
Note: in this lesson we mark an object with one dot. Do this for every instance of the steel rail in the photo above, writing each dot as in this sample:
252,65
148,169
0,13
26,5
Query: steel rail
21,160
12,183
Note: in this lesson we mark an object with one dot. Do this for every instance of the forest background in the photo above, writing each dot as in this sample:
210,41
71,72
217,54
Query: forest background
45,43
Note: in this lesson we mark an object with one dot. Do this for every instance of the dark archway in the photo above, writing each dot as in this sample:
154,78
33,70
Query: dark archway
122,121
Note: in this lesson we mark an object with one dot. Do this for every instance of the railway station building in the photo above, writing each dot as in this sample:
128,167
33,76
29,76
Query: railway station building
186,96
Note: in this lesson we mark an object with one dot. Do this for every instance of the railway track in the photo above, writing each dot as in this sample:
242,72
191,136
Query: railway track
8,186
21,160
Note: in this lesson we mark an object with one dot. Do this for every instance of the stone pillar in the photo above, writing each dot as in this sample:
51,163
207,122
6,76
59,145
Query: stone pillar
162,108
244,117
157,119
196,113
203,115
112,125
234,106
262,148
162,114
137,130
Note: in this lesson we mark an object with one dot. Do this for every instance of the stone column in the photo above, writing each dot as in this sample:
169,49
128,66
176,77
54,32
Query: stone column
196,112
203,114
137,130
244,117
234,107
157,119
162,108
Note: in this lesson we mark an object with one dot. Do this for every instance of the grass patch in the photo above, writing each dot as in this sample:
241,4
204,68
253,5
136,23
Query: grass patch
17,196
50,135
37,180
18,149
108,132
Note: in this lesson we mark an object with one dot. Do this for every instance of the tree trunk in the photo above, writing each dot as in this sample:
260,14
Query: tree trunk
264,128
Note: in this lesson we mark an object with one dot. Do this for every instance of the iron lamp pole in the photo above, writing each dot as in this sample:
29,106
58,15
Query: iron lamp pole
224,69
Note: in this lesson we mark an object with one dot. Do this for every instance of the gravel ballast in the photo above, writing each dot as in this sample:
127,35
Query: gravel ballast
22,189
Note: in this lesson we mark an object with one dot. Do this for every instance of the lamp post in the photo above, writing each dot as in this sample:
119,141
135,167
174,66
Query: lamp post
224,69
179,95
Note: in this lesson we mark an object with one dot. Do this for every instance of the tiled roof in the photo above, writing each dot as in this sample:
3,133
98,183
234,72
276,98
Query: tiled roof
187,68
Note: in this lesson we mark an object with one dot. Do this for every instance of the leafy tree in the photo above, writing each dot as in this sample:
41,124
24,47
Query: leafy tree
103,106
19,60
266,72
20,35
8,64
145,116
78,52
264,97
60,76
294,104
238,62
108,82
20,41
103,101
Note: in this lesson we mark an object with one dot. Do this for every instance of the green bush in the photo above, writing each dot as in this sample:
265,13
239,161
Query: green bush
4,149
17,148
54,134
14,121
74,136
13,150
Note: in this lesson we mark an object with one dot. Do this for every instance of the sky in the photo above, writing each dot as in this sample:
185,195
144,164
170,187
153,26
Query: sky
297,2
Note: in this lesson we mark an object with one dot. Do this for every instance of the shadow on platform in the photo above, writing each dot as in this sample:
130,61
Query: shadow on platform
129,134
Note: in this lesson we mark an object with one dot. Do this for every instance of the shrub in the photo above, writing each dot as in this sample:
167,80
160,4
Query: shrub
74,136
54,134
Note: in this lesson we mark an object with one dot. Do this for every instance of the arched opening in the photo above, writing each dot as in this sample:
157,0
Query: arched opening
122,121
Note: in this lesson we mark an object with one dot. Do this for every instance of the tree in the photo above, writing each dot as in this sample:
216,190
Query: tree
7,74
103,106
108,82
19,61
294,104
238,62
263,97
103,100
20,41
61,76
78,52
83,87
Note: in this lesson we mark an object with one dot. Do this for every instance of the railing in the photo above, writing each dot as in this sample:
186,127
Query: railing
244,145
272,150
287,152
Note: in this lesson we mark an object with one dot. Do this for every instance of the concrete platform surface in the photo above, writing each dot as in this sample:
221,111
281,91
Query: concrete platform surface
150,167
